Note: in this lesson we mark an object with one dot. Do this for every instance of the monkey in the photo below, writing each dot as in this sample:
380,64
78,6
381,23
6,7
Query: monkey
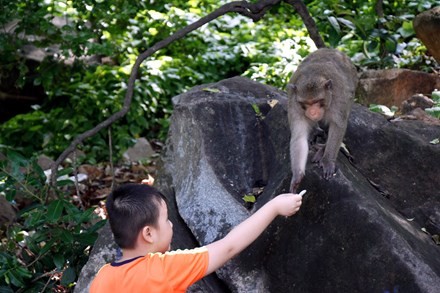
320,92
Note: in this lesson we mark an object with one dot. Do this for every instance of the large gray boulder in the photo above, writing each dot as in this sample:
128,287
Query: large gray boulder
353,232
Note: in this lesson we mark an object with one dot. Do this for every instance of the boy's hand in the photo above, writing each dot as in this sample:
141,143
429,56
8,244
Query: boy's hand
246,232
287,204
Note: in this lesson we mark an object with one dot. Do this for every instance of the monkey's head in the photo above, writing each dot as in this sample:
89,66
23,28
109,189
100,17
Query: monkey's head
313,98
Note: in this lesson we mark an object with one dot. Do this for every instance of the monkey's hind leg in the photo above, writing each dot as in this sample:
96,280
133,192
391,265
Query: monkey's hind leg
319,149
329,167
317,135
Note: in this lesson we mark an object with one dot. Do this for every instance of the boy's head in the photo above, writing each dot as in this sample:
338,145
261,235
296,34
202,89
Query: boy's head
130,208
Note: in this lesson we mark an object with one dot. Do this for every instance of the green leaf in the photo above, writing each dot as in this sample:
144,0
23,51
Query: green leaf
407,29
23,272
47,246
66,236
16,157
86,238
382,109
55,210
435,141
69,276
347,23
334,23
17,275
4,289
256,109
212,90
97,226
39,172
434,111
65,171
249,198
84,216
10,193
32,245
436,96
58,260
65,182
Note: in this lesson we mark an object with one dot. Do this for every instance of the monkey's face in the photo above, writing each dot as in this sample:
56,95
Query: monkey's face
314,110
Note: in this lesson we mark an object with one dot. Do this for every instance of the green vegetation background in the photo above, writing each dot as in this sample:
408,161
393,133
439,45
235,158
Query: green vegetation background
80,95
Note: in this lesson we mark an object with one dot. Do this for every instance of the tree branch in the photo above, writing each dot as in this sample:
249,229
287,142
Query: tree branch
310,24
255,11
379,10
7,96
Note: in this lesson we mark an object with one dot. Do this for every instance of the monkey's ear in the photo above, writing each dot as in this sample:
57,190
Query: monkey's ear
291,88
328,84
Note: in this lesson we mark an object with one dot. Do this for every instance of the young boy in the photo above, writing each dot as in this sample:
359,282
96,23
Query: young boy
139,221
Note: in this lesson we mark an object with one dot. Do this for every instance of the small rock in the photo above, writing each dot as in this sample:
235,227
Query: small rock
142,150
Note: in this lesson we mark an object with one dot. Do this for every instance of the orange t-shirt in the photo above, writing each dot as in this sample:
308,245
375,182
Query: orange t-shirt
173,271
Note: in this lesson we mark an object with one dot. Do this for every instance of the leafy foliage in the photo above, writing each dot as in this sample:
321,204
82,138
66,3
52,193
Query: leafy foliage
382,38
383,109
81,93
435,109
48,244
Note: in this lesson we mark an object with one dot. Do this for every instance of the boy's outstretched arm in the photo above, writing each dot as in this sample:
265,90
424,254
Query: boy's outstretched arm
248,231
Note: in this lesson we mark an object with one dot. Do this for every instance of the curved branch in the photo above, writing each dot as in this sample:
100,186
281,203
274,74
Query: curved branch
255,11
310,24
7,96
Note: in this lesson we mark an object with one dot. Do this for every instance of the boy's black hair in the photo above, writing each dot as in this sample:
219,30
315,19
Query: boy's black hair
131,207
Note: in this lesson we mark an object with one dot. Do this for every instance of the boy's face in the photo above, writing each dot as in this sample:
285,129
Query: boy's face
164,229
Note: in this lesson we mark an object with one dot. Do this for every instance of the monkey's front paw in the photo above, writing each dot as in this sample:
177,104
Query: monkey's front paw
293,188
328,169
296,180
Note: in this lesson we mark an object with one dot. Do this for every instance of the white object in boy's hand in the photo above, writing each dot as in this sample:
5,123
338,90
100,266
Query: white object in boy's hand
302,192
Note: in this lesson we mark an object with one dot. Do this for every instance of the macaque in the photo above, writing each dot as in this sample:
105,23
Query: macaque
321,91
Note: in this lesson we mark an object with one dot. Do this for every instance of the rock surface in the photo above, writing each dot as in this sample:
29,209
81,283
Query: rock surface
427,28
393,86
142,150
352,233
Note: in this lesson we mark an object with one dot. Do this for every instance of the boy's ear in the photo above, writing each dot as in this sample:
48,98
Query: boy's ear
147,234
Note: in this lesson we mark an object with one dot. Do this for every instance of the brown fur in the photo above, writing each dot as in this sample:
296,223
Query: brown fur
328,77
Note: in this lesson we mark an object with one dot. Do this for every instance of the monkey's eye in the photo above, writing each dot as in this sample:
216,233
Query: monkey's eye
303,106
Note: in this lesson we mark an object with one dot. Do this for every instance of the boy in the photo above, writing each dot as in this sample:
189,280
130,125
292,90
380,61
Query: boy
138,218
